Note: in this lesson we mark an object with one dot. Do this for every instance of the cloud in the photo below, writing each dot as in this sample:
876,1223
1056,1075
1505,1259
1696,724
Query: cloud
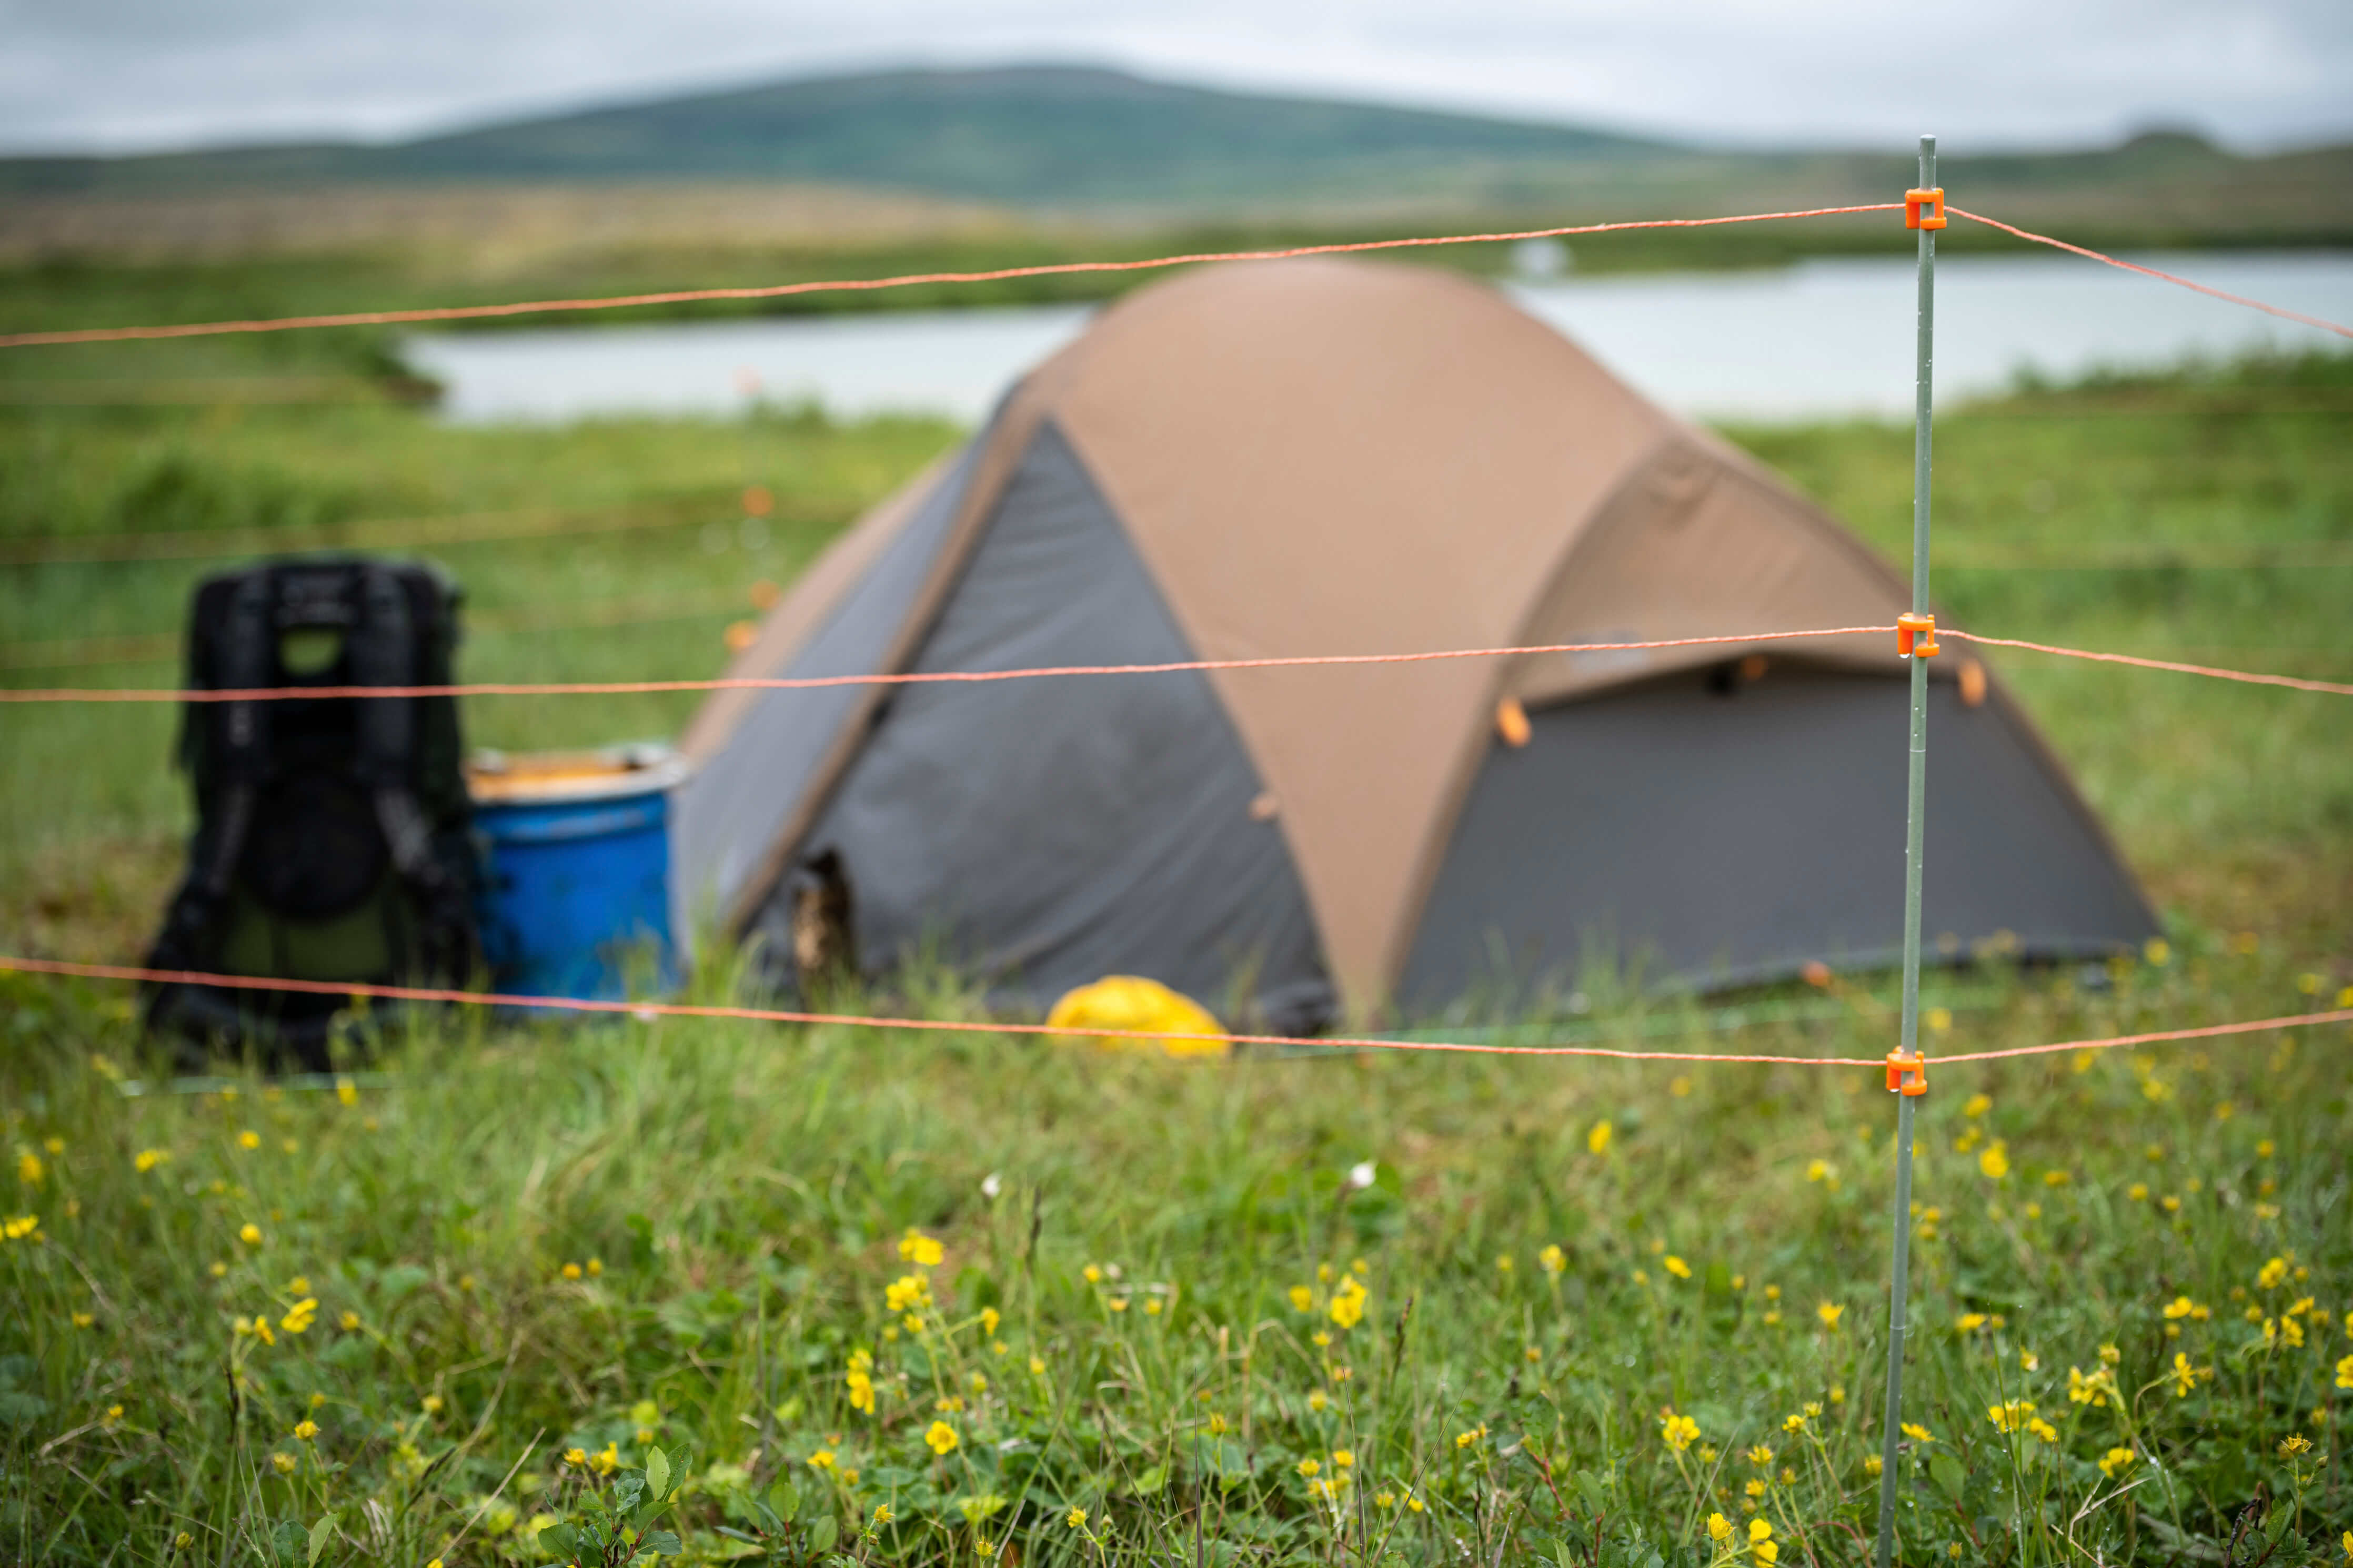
122,74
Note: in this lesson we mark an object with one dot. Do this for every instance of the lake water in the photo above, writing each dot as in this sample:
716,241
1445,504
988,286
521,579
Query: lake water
1822,338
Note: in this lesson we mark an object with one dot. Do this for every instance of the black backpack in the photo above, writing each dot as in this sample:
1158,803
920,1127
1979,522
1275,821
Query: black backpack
333,834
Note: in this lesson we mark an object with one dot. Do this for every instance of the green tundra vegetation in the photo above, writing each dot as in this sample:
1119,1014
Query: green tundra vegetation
801,1294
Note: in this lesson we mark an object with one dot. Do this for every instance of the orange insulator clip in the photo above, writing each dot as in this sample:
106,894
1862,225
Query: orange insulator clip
1924,209
1915,634
1906,1075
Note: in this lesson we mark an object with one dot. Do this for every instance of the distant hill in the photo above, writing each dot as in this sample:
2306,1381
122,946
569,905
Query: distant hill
1022,135
1089,144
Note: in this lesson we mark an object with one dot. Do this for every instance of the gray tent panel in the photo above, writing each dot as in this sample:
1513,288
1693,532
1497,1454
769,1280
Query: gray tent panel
1714,831
732,809
1042,834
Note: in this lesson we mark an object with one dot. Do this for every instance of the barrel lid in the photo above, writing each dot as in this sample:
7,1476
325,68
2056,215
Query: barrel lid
519,778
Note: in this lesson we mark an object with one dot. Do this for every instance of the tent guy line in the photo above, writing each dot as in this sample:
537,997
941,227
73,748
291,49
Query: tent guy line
970,677
646,1011
860,285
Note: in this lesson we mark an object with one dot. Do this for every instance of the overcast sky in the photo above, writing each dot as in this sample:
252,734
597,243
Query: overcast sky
119,75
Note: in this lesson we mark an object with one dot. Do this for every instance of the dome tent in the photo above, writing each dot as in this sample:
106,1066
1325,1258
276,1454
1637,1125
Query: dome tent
1327,457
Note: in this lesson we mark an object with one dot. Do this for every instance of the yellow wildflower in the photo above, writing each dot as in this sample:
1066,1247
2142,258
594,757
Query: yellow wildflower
1830,1312
17,1228
1076,1518
430,1405
906,1293
920,1249
282,1463
1793,1423
2043,1429
2115,1462
1916,1432
298,1318
1308,1467
1552,1259
1597,1140
147,1160
1818,1170
2094,1390
2294,1445
578,1456
2185,1376
1977,1105
1342,1458
822,1460
1317,1400
1478,1434
305,1430
2273,1274
2010,1416
941,1438
988,1321
29,1169
1679,1431
1348,1302
1677,1267
1719,1528
1995,1160
1760,1543
248,1139
1302,1299
607,1460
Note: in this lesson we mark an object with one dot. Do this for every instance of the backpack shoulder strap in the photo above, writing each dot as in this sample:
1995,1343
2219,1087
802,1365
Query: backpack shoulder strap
385,650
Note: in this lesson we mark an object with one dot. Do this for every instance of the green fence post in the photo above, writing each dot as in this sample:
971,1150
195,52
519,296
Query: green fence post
1916,790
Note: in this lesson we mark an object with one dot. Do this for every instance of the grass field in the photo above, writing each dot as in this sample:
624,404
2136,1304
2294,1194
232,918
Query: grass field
977,1298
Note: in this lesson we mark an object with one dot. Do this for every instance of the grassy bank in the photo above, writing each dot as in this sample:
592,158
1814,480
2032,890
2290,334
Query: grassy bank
686,1236
1295,1311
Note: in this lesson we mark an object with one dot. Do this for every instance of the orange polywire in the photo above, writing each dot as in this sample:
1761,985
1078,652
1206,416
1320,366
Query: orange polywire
841,285
903,677
649,1010
2280,311
780,290
2293,682
967,677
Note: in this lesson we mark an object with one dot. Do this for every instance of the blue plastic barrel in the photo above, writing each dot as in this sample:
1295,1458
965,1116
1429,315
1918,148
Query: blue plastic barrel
575,883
